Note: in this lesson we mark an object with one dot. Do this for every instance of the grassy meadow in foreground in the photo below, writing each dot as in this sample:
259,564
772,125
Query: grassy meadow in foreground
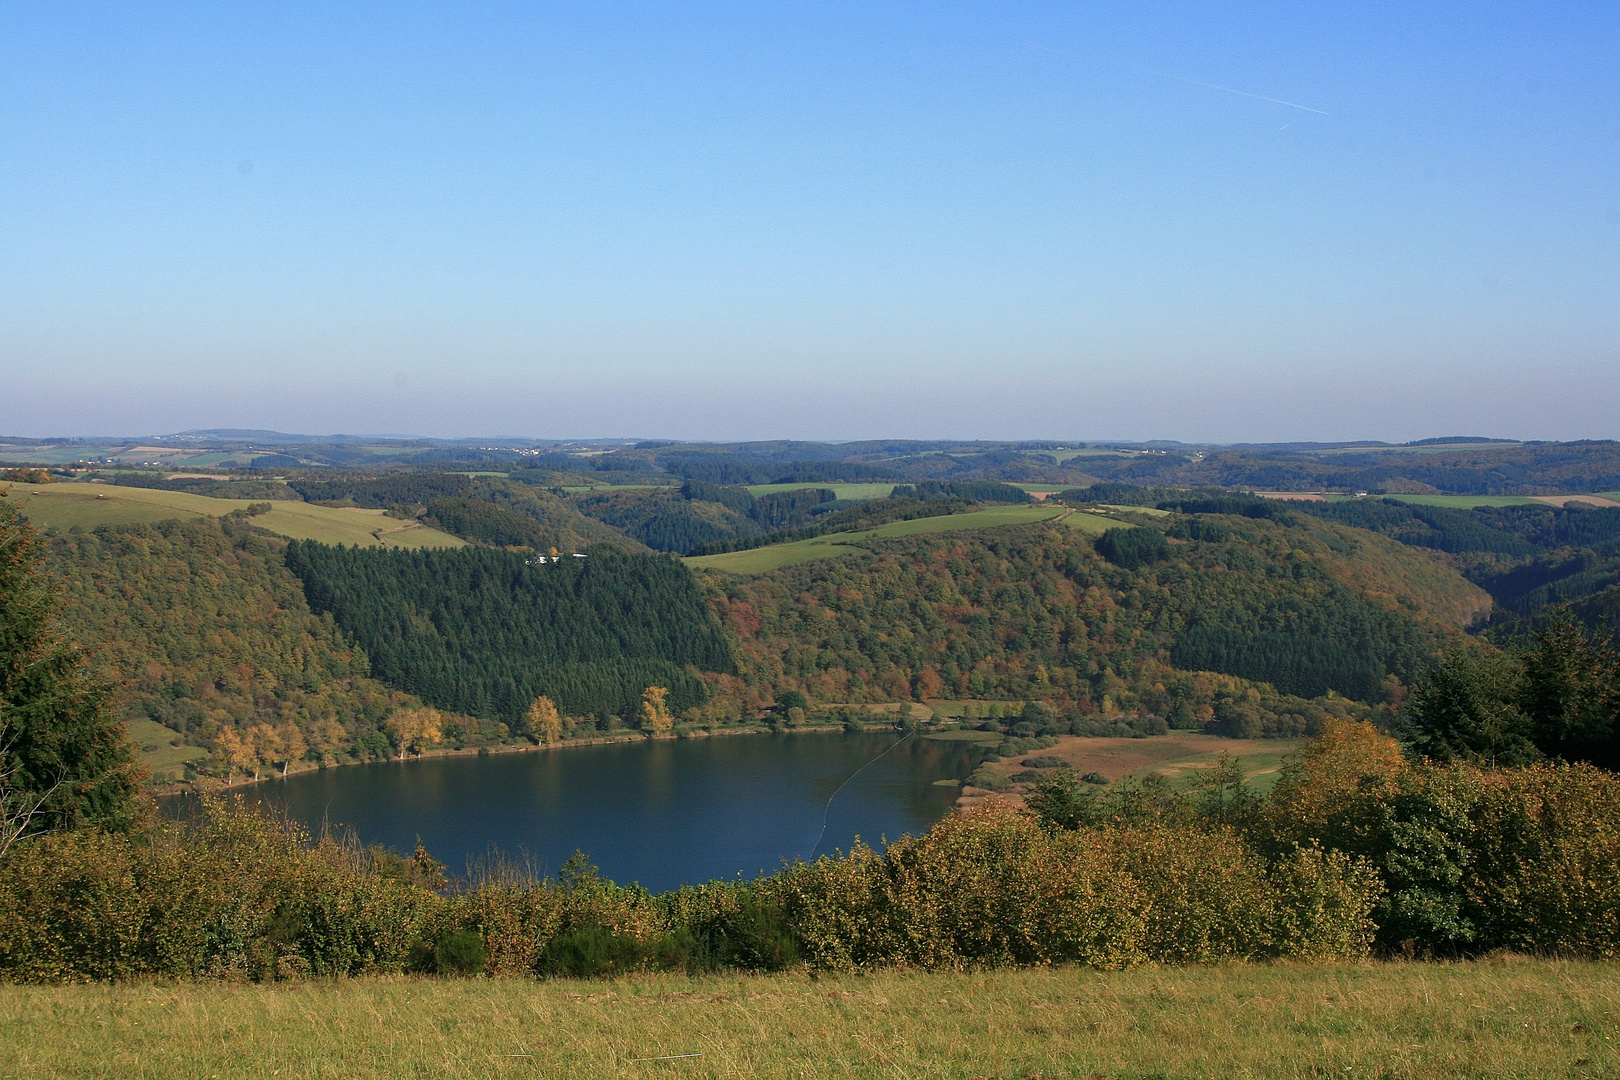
1516,1018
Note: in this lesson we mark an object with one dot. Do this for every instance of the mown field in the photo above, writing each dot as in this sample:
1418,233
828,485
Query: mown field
1509,1018
90,505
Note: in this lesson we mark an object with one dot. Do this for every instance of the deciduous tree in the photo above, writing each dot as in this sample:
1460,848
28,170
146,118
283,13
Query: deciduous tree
545,722
655,716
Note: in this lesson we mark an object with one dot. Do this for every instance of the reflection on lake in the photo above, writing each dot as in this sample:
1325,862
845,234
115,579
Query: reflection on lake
662,813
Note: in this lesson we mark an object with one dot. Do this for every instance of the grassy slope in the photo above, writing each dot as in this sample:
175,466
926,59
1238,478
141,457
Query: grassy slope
776,556
162,753
67,505
1415,1021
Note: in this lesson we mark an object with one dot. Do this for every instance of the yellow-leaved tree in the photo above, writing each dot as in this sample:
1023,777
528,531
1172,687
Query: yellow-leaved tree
545,722
655,716
414,729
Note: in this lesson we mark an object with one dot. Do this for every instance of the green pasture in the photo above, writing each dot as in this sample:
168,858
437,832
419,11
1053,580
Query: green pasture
1066,455
851,492
761,560
1092,523
161,752
87,506
52,454
1466,502
992,517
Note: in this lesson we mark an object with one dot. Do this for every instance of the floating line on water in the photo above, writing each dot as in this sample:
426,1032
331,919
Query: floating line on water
827,810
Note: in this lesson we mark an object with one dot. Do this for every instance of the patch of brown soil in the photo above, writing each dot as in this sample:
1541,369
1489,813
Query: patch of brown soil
1584,500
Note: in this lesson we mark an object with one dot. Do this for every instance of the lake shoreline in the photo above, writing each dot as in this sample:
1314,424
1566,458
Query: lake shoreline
216,786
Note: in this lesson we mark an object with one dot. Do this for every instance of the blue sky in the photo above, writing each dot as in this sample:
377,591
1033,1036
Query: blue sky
1205,222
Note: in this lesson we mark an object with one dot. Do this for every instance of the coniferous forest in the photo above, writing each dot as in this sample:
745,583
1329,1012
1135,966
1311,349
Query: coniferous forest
484,632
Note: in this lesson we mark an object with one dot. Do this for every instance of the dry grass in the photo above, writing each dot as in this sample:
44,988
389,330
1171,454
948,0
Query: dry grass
1510,1019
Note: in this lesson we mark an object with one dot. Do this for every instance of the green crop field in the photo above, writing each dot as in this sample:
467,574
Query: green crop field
1062,456
989,518
851,492
89,505
763,559
1465,502
1511,1017
1092,523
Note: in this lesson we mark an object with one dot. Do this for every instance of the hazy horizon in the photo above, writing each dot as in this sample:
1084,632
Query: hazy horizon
723,222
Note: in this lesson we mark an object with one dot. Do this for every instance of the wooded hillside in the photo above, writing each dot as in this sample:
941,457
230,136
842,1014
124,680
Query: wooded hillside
1034,612
202,628
484,632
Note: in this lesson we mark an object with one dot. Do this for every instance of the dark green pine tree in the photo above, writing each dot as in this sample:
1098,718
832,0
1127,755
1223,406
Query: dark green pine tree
59,747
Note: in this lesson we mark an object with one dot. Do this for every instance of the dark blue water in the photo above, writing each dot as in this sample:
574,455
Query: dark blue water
662,813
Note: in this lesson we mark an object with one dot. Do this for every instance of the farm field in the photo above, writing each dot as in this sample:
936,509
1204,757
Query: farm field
1458,502
90,505
764,559
1466,502
1176,755
1091,522
1491,1019
843,491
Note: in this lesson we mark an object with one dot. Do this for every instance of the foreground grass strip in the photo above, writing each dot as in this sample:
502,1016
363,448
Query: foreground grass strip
1511,1019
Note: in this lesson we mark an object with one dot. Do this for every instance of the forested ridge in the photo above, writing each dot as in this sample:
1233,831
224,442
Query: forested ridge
485,632
200,628
484,509
701,515
1034,612
1527,557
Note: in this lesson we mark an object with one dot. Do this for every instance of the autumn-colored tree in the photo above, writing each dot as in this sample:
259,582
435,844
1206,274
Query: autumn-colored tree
293,744
655,716
225,751
1334,792
265,743
545,722
414,729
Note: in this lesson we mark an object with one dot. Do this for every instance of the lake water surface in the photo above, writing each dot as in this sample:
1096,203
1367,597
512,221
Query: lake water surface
662,813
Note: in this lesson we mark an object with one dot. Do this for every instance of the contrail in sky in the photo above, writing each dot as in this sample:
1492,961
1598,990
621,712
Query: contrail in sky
1244,93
